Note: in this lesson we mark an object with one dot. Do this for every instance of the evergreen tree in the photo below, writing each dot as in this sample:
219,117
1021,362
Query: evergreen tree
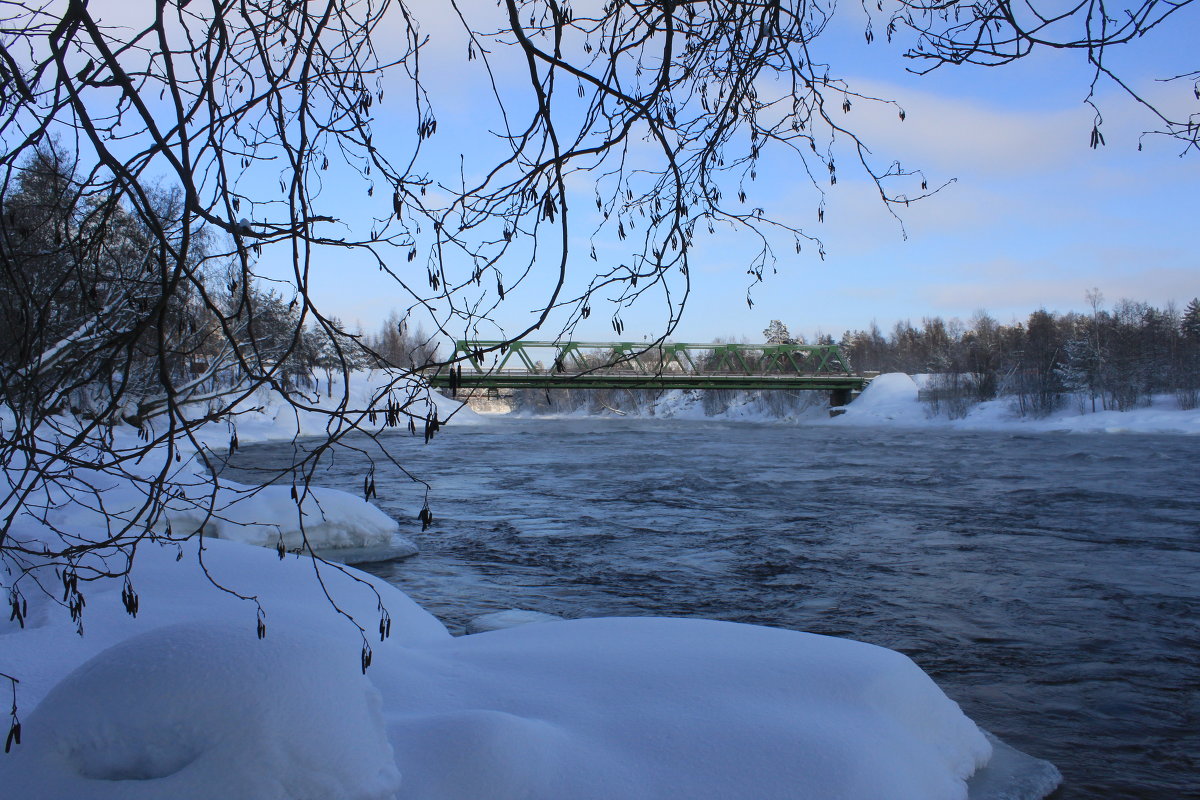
1190,326
1186,368
777,333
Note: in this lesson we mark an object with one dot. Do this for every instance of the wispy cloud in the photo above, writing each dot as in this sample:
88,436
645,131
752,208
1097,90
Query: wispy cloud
959,136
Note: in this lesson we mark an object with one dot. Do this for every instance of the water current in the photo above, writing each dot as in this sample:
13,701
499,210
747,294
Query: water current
1049,583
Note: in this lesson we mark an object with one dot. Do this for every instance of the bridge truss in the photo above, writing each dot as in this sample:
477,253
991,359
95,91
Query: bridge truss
635,365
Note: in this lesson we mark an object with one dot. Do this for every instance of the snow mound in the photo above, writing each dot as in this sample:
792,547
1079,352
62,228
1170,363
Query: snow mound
1163,415
658,708
325,520
510,618
890,398
172,592
203,711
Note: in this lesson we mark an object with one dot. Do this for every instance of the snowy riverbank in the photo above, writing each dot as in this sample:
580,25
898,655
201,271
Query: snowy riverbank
183,701
83,501
892,400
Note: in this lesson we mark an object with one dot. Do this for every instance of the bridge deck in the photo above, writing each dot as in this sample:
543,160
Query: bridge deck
629,379
632,365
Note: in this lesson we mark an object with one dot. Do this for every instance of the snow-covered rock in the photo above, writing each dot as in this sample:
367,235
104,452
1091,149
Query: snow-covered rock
673,708
195,711
330,522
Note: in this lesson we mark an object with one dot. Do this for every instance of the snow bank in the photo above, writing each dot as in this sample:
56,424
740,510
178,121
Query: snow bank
185,702
264,417
331,522
203,711
673,708
1161,416
888,399
892,400
94,505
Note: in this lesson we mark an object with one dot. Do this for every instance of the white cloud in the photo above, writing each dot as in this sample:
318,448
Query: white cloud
959,136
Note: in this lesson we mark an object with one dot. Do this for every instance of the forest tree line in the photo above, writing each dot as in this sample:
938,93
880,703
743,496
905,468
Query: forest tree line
1107,359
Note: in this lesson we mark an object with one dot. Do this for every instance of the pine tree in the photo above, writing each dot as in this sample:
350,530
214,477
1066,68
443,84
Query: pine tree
1190,326
777,333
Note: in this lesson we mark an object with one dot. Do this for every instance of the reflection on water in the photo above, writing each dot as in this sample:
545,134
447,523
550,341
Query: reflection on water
1050,584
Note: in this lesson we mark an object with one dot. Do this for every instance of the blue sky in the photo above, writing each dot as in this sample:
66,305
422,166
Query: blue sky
1035,218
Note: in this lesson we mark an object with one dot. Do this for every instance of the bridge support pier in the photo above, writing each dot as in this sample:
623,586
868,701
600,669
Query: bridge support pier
839,397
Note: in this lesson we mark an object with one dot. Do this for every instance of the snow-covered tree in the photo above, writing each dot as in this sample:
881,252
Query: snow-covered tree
777,333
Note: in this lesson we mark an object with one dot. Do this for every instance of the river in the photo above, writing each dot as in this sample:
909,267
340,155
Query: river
1049,583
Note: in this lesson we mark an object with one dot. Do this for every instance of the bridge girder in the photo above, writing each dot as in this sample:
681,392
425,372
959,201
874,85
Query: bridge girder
635,365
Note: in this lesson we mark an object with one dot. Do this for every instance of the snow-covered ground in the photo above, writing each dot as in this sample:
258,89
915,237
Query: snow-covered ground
185,701
892,400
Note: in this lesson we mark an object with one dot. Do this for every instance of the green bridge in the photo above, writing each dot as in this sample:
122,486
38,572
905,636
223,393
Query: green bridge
493,365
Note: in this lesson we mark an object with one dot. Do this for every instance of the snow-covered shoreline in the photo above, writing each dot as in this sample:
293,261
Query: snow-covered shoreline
183,701
892,400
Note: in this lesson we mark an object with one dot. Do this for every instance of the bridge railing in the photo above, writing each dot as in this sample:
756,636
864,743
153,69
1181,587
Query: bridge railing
530,357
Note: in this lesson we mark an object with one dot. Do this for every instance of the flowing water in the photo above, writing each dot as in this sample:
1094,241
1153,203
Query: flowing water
1049,583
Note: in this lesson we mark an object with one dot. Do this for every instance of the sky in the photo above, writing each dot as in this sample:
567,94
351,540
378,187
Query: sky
1034,218
1031,216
